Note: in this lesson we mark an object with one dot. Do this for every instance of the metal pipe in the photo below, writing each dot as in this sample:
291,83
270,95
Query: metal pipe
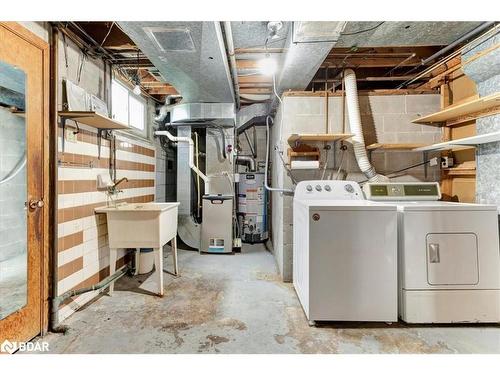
96,45
449,47
244,159
164,109
191,155
232,61
100,286
197,153
252,150
401,63
269,188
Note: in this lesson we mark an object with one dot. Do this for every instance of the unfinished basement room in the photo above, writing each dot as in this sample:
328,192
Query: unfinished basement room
231,186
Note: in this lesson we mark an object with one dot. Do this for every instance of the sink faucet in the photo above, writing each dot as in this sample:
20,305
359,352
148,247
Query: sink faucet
113,191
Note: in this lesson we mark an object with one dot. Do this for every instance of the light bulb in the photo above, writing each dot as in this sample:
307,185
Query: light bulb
268,66
137,90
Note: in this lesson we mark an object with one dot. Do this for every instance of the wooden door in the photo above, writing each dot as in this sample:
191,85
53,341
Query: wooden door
23,188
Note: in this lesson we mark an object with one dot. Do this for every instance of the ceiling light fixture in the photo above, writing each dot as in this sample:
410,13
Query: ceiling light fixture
137,80
137,89
268,66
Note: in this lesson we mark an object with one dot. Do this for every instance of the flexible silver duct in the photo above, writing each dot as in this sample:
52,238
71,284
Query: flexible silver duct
358,141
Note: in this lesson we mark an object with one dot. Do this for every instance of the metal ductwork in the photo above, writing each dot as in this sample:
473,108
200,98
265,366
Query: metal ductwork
190,55
219,113
308,45
192,58
251,115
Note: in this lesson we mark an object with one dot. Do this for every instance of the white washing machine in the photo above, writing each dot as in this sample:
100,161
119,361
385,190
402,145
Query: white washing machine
344,253
449,259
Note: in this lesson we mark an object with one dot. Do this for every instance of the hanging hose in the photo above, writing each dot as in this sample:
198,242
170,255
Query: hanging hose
358,140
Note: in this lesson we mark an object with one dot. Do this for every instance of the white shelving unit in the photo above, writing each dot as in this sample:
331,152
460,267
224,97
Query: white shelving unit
463,143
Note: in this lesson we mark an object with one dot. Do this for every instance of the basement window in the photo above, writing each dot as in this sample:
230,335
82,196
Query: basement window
128,108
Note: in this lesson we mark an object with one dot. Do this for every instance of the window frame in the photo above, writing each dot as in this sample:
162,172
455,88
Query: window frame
144,133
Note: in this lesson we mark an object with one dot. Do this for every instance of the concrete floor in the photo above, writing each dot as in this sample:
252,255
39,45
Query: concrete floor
236,304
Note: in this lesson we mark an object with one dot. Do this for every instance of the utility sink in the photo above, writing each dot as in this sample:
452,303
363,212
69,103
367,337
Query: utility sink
142,225
133,225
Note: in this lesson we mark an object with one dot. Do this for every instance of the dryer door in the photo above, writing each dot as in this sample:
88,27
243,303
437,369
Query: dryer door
452,259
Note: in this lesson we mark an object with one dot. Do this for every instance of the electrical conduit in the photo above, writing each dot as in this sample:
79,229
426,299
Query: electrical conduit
269,188
358,141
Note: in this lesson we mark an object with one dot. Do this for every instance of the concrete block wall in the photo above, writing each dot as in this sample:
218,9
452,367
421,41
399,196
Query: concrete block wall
385,119
485,72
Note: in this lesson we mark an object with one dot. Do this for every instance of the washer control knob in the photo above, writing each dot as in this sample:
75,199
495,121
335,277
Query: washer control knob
318,187
328,188
309,188
349,188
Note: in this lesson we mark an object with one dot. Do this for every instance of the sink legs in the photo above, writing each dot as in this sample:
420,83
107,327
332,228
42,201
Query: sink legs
174,255
159,269
112,267
158,259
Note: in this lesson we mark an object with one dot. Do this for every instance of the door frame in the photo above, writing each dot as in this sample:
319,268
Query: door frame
47,185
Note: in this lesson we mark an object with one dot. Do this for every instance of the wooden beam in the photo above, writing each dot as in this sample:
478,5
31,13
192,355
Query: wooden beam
258,50
255,90
370,62
255,84
247,64
257,78
166,90
361,92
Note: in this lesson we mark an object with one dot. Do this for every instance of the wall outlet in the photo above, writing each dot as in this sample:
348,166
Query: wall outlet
70,136
446,162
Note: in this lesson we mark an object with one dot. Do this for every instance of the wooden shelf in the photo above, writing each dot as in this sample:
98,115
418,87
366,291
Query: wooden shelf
93,119
332,137
394,146
467,168
463,143
460,171
302,153
469,110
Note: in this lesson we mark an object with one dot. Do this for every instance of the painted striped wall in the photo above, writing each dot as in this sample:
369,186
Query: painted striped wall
83,252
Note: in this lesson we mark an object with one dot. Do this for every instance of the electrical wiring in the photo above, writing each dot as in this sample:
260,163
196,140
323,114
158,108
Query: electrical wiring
341,163
107,34
363,31
407,168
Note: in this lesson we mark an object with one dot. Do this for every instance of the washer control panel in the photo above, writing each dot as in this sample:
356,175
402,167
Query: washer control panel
402,191
328,189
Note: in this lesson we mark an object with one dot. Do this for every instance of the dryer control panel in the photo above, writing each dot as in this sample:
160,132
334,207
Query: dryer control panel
402,191
328,189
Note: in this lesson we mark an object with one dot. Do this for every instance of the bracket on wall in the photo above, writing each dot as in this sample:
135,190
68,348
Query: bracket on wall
103,124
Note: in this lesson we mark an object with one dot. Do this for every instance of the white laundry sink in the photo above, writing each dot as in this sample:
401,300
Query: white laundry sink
134,225
142,225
